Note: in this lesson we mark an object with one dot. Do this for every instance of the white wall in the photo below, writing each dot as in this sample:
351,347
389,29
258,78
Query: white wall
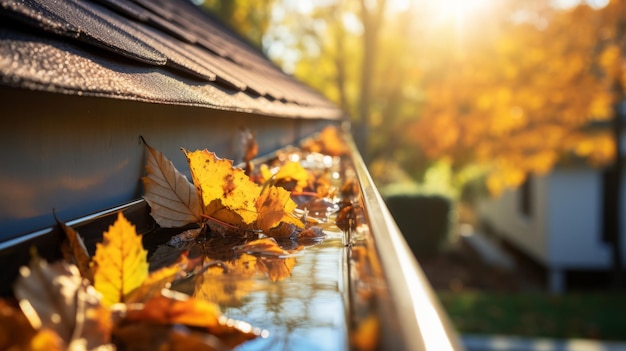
575,221
528,233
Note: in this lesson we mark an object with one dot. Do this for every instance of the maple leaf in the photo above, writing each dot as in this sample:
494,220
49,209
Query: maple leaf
228,283
276,268
55,297
274,206
227,193
263,246
329,141
159,279
290,172
120,262
176,308
172,198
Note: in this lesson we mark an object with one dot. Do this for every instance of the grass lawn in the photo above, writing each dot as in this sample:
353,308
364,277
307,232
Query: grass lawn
575,315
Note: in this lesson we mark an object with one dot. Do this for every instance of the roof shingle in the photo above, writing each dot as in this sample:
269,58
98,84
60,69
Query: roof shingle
163,51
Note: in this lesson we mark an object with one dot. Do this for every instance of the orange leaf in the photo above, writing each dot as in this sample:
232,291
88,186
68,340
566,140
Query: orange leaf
264,246
120,263
172,198
177,309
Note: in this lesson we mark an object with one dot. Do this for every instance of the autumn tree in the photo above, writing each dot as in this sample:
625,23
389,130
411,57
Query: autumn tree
250,18
529,96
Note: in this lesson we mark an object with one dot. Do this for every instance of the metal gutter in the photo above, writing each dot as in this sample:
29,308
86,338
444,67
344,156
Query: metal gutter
421,318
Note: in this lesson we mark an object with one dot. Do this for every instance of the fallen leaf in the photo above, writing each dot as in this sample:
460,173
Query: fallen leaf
276,268
251,149
54,297
15,330
172,198
274,206
47,295
177,308
46,340
120,264
366,335
289,172
228,283
227,193
77,251
329,142
149,337
263,246
158,280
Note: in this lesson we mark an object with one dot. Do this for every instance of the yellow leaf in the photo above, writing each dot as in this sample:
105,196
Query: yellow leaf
274,206
227,193
120,263
159,279
290,171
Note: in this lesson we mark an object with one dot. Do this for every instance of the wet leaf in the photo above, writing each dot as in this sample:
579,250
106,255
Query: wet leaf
227,193
329,142
158,280
289,172
178,308
172,198
264,246
366,335
276,268
149,337
228,283
120,264
275,206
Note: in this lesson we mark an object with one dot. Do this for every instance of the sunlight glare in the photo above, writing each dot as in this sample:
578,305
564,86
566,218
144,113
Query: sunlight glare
458,8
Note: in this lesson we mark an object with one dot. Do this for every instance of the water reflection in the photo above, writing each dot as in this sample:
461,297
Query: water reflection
298,299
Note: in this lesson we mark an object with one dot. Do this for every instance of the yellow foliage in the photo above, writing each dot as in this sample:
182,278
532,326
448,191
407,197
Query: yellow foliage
227,193
120,263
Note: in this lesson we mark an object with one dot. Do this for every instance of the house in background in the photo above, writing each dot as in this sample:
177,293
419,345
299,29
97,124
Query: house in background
558,220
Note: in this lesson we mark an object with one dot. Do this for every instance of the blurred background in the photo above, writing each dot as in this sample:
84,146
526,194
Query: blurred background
491,128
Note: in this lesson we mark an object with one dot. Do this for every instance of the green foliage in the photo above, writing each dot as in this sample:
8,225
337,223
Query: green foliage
425,221
575,315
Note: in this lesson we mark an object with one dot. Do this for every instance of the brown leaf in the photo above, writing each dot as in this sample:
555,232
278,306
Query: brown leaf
177,308
77,250
55,297
276,268
149,337
172,198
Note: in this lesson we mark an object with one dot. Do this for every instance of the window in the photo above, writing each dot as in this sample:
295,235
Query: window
525,198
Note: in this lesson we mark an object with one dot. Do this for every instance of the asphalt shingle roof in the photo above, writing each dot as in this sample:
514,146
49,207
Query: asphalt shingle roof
162,51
